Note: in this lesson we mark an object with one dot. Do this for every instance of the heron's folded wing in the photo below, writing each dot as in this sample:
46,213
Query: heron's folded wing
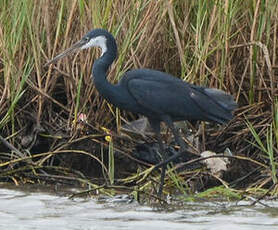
181,100
163,97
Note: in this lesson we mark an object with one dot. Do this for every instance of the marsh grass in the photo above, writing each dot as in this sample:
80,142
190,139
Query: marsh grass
230,44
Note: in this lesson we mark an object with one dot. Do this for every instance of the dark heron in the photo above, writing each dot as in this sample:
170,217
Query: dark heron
157,95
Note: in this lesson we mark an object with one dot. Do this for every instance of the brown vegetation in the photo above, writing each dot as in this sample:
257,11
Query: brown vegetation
231,45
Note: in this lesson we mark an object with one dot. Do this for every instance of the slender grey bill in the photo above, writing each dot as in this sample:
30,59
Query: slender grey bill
74,48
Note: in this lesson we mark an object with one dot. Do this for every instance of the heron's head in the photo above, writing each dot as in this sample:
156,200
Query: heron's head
95,38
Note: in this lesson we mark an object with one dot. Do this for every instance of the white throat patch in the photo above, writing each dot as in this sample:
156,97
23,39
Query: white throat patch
99,41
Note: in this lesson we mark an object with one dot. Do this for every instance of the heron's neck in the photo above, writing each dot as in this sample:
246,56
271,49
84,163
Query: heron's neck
100,68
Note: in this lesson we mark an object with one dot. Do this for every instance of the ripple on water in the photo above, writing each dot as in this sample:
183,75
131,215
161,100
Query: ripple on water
39,210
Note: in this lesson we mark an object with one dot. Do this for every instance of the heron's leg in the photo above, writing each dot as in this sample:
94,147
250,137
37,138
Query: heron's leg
155,124
178,140
177,137
163,167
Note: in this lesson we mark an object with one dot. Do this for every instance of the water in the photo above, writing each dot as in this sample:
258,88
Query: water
31,209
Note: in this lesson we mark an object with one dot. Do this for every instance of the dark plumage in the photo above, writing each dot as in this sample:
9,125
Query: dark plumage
154,94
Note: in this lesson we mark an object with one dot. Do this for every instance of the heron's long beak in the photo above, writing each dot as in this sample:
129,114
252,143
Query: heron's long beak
74,48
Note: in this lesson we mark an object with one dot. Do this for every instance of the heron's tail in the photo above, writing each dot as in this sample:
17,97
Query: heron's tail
219,105
225,101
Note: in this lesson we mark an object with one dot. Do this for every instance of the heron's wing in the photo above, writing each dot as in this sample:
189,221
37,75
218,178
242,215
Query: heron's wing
181,100
168,96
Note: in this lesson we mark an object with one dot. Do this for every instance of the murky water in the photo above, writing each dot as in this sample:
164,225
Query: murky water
21,209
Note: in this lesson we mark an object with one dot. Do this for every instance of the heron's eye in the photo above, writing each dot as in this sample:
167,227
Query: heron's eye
86,39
